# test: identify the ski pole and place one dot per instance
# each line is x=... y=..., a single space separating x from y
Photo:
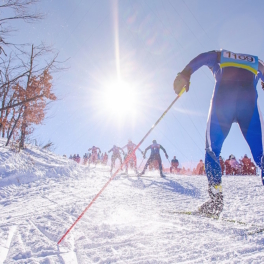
x=141 y=163
x=124 y=162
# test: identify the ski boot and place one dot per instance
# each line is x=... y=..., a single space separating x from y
x=162 y=175
x=215 y=205
x=141 y=173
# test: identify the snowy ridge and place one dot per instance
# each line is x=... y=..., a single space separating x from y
x=32 y=164
x=131 y=222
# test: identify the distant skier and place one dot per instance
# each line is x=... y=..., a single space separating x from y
x=85 y=159
x=154 y=156
x=105 y=159
x=234 y=100
x=78 y=158
x=132 y=162
x=222 y=164
x=94 y=156
x=236 y=167
x=74 y=157
x=116 y=155
x=228 y=168
x=174 y=164
x=200 y=168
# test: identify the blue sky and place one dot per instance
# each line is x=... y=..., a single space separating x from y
x=147 y=43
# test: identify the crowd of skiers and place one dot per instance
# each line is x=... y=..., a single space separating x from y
x=229 y=166
x=242 y=167
x=91 y=158
x=97 y=157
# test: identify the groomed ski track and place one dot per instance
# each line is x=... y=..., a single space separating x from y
x=129 y=223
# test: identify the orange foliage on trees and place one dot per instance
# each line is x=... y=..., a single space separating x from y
x=34 y=111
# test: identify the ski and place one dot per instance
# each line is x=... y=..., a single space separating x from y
x=258 y=230
x=255 y=232
x=197 y=213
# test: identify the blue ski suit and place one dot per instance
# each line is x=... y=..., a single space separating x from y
x=234 y=99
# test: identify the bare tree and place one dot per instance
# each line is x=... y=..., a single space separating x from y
x=13 y=10
x=25 y=75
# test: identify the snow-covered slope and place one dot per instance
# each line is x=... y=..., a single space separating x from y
x=133 y=221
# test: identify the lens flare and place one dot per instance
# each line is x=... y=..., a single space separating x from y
x=120 y=99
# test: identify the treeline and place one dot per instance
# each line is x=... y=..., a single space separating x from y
x=25 y=75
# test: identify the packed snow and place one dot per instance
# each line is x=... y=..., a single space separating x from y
x=133 y=221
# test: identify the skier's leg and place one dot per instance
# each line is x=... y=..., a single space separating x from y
x=221 y=116
x=134 y=163
x=147 y=164
x=158 y=158
x=113 y=158
x=215 y=135
x=126 y=167
x=251 y=124
x=120 y=160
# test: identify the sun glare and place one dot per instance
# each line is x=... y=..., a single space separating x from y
x=120 y=99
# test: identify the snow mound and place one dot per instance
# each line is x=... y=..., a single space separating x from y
x=34 y=163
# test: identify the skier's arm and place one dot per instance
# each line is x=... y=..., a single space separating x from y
x=140 y=151
x=110 y=150
x=144 y=154
x=122 y=150
x=89 y=149
x=210 y=59
x=99 y=150
x=261 y=72
x=164 y=151
x=124 y=146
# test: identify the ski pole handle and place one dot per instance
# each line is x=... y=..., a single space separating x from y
x=182 y=91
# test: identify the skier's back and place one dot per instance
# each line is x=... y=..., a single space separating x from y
x=174 y=164
x=116 y=155
x=94 y=156
x=132 y=156
x=154 y=156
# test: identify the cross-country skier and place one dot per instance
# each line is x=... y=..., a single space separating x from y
x=234 y=100
x=85 y=159
x=116 y=155
x=222 y=164
x=154 y=155
x=133 y=159
x=200 y=168
x=174 y=164
x=94 y=156
x=105 y=159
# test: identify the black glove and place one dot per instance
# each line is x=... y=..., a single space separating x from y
x=180 y=82
x=262 y=85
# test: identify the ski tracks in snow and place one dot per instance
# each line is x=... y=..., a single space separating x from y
x=129 y=223
x=36 y=214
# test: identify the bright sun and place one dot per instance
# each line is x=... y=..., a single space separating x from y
x=120 y=99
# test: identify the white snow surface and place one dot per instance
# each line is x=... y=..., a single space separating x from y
x=132 y=221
